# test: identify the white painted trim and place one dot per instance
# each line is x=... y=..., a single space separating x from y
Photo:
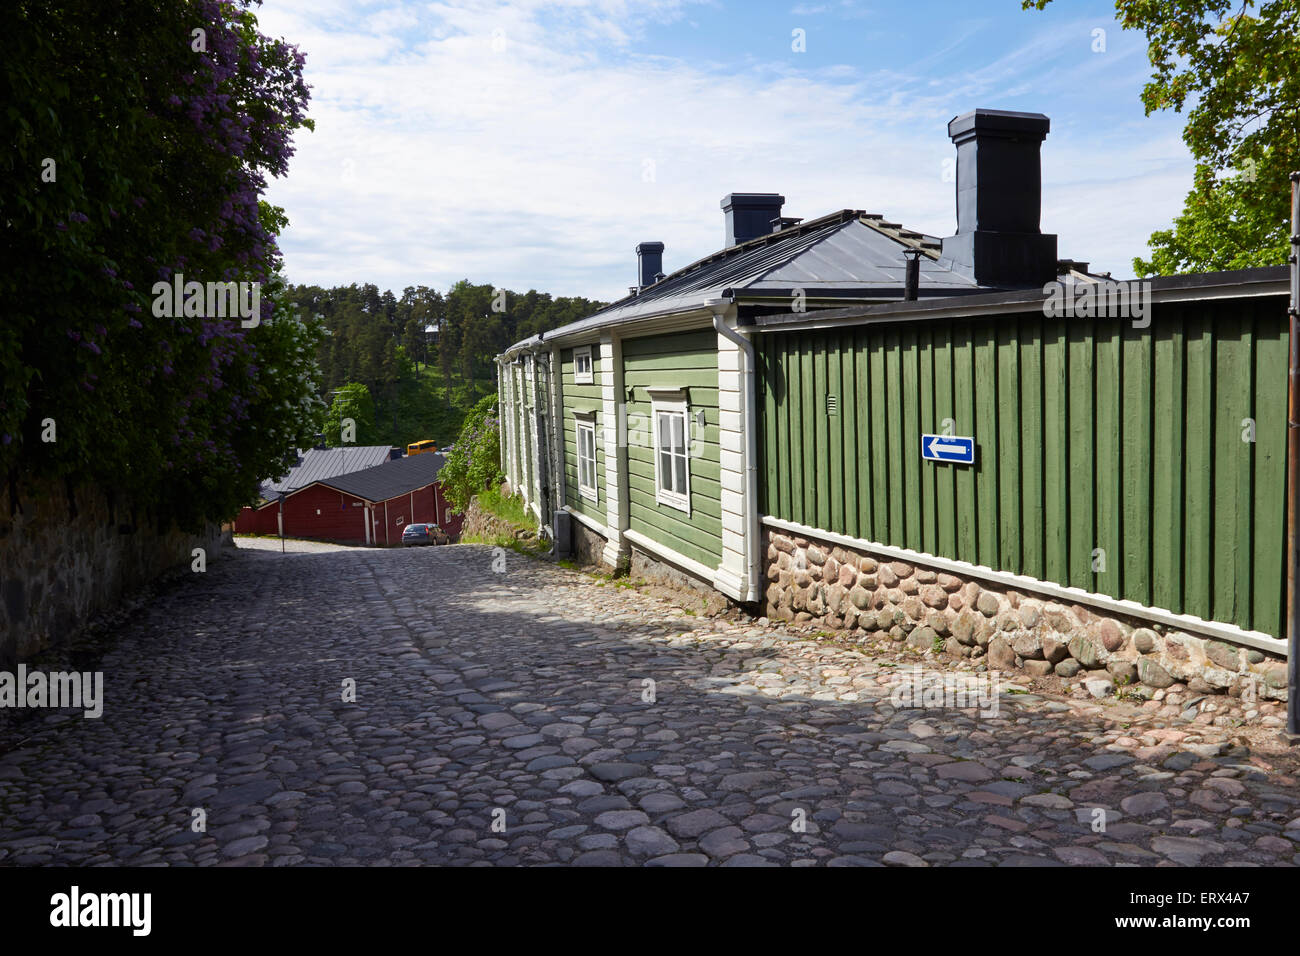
x=589 y=521
x=1187 y=622
x=583 y=378
x=581 y=424
x=730 y=584
x=662 y=404
x=616 y=493
x=558 y=489
x=640 y=326
x=665 y=553
x=666 y=394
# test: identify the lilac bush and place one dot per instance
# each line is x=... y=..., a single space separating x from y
x=144 y=132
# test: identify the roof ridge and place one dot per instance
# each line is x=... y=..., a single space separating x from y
x=740 y=248
x=929 y=246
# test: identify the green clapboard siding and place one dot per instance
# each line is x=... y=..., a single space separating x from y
x=683 y=359
x=1109 y=458
x=582 y=398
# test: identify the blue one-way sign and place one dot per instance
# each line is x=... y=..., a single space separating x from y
x=958 y=451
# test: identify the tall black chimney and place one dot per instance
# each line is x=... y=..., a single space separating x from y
x=649 y=262
x=999 y=199
x=749 y=215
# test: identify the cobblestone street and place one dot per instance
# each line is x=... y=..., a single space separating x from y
x=507 y=718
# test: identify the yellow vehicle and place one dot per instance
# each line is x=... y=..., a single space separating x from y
x=417 y=447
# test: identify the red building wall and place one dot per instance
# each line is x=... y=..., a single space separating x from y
x=448 y=522
x=257 y=520
x=424 y=506
x=325 y=514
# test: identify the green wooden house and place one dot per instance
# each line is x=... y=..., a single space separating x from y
x=1128 y=458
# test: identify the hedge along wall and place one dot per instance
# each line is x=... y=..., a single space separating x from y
x=1090 y=434
x=582 y=398
x=680 y=360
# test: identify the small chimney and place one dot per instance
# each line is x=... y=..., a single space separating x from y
x=911 y=274
x=999 y=199
x=749 y=215
x=649 y=262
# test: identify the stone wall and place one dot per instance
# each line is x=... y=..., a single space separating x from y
x=64 y=561
x=483 y=524
x=876 y=598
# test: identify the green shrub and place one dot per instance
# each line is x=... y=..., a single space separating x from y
x=474 y=463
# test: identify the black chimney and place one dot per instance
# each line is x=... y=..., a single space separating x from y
x=749 y=215
x=912 y=274
x=649 y=262
x=999 y=199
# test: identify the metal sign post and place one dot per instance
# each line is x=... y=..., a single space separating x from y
x=1293 y=468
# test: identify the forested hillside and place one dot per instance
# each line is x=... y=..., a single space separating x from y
x=420 y=384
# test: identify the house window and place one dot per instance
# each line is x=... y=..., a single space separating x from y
x=582 y=365
x=672 y=462
x=587 y=458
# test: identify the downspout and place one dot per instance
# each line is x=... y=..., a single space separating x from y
x=753 y=533
x=1292 y=733
x=544 y=453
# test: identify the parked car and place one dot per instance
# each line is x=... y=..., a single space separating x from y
x=423 y=534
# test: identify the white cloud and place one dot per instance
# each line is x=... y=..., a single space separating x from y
x=527 y=144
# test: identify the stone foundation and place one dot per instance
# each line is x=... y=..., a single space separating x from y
x=587 y=546
x=809 y=580
x=64 y=561
x=646 y=567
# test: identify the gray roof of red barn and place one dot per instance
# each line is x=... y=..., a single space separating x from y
x=321 y=463
x=390 y=479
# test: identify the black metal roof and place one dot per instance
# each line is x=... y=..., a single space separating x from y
x=847 y=254
x=390 y=479
x=320 y=463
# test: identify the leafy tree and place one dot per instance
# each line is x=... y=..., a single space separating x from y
x=1235 y=67
x=422 y=390
x=474 y=463
x=351 y=401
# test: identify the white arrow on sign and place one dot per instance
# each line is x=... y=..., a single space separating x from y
x=949 y=448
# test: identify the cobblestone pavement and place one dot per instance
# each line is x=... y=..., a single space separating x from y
x=506 y=718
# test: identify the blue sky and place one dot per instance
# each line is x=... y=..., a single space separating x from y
x=533 y=144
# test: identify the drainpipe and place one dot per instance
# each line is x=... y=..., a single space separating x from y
x=749 y=415
x=544 y=453
x=1292 y=734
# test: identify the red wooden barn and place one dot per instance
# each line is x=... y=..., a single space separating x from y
x=373 y=505
x=314 y=464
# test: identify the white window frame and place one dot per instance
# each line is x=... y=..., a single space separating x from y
x=585 y=422
x=580 y=377
x=671 y=402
